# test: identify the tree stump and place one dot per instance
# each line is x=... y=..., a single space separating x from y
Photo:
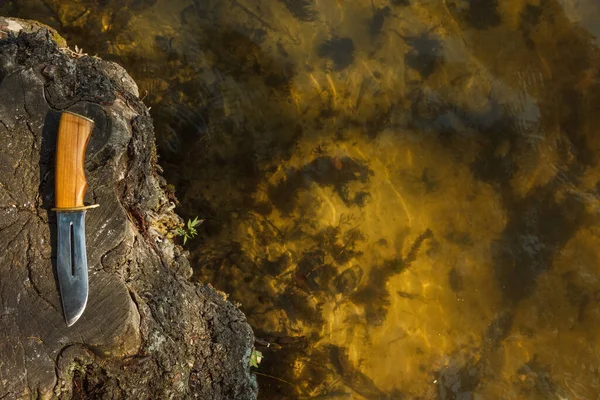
x=147 y=332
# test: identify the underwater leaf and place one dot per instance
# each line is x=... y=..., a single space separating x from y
x=255 y=358
x=302 y=10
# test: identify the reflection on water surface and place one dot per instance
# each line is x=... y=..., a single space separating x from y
x=402 y=195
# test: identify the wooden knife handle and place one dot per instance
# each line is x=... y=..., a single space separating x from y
x=74 y=133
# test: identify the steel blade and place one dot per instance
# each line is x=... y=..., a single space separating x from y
x=71 y=264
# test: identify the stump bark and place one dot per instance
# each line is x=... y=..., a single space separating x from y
x=147 y=332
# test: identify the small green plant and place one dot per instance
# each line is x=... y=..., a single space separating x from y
x=255 y=358
x=189 y=230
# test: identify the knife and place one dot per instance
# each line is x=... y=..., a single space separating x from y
x=74 y=133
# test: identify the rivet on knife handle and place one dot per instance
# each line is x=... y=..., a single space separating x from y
x=74 y=133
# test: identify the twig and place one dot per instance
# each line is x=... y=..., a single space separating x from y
x=273 y=377
x=252 y=14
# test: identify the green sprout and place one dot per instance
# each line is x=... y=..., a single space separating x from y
x=189 y=231
x=255 y=358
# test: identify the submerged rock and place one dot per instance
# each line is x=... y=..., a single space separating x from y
x=147 y=331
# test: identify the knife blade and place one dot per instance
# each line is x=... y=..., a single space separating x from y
x=74 y=132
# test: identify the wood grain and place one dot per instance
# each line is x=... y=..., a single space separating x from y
x=74 y=133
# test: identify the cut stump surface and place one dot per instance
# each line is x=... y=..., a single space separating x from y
x=147 y=332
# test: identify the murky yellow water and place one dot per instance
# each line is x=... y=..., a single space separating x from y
x=402 y=195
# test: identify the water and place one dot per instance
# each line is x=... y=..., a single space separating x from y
x=401 y=195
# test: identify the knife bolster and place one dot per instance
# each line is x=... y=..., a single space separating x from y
x=75 y=209
x=74 y=133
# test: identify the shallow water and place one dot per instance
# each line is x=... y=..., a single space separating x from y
x=401 y=195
